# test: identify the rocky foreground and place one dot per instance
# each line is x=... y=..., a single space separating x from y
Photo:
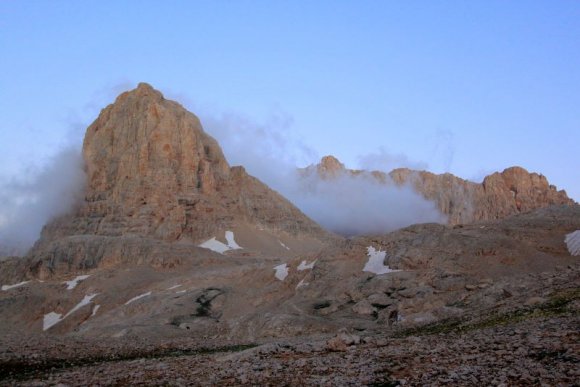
x=527 y=340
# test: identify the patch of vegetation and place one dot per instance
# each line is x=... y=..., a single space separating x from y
x=557 y=305
x=22 y=369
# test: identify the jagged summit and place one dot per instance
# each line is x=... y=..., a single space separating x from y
x=152 y=172
x=330 y=164
x=144 y=140
x=501 y=194
x=329 y=167
x=150 y=162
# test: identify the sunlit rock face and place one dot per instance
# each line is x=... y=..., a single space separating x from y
x=501 y=194
x=153 y=173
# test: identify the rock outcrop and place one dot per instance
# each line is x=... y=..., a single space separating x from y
x=152 y=170
x=154 y=174
x=510 y=192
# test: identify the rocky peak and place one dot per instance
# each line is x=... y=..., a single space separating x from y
x=152 y=172
x=329 y=166
x=143 y=145
x=513 y=191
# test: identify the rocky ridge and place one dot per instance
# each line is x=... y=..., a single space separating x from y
x=158 y=186
x=501 y=194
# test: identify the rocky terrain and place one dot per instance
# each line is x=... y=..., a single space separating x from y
x=158 y=186
x=179 y=269
x=528 y=340
x=510 y=192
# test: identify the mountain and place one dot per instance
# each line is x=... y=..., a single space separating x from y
x=158 y=187
x=178 y=268
x=510 y=192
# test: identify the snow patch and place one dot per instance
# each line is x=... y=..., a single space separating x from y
x=572 y=242
x=73 y=283
x=306 y=266
x=231 y=241
x=376 y=263
x=95 y=309
x=215 y=245
x=174 y=287
x=53 y=318
x=283 y=245
x=219 y=247
x=301 y=284
x=85 y=301
x=181 y=291
x=281 y=271
x=138 y=297
x=8 y=287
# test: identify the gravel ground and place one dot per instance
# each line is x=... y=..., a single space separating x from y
x=535 y=351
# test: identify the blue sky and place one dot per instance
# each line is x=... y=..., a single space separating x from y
x=467 y=87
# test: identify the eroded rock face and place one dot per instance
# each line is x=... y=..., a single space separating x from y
x=154 y=173
x=152 y=170
x=146 y=158
x=510 y=192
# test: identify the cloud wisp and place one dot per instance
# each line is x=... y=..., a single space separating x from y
x=346 y=204
x=385 y=161
x=28 y=202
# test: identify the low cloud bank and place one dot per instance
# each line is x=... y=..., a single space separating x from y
x=348 y=205
x=28 y=202
x=360 y=205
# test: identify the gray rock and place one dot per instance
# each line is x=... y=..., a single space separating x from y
x=364 y=308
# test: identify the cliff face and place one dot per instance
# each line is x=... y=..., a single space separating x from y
x=154 y=173
x=510 y=192
x=146 y=159
x=152 y=170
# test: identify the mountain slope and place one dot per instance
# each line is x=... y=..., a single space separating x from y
x=510 y=192
x=159 y=186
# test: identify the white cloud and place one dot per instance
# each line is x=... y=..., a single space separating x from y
x=29 y=201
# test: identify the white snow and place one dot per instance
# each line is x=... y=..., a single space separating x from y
x=53 y=318
x=173 y=287
x=219 y=247
x=573 y=242
x=138 y=297
x=231 y=241
x=215 y=245
x=376 y=263
x=281 y=271
x=301 y=284
x=8 y=287
x=283 y=245
x=85 y=301
x=181 y=291
x=306 y=266
x=73 y=283
x=95 y=309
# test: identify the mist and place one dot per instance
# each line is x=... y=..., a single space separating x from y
x=347 y=204
x=29 y=201
x=382 y=160
x=360 y=205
